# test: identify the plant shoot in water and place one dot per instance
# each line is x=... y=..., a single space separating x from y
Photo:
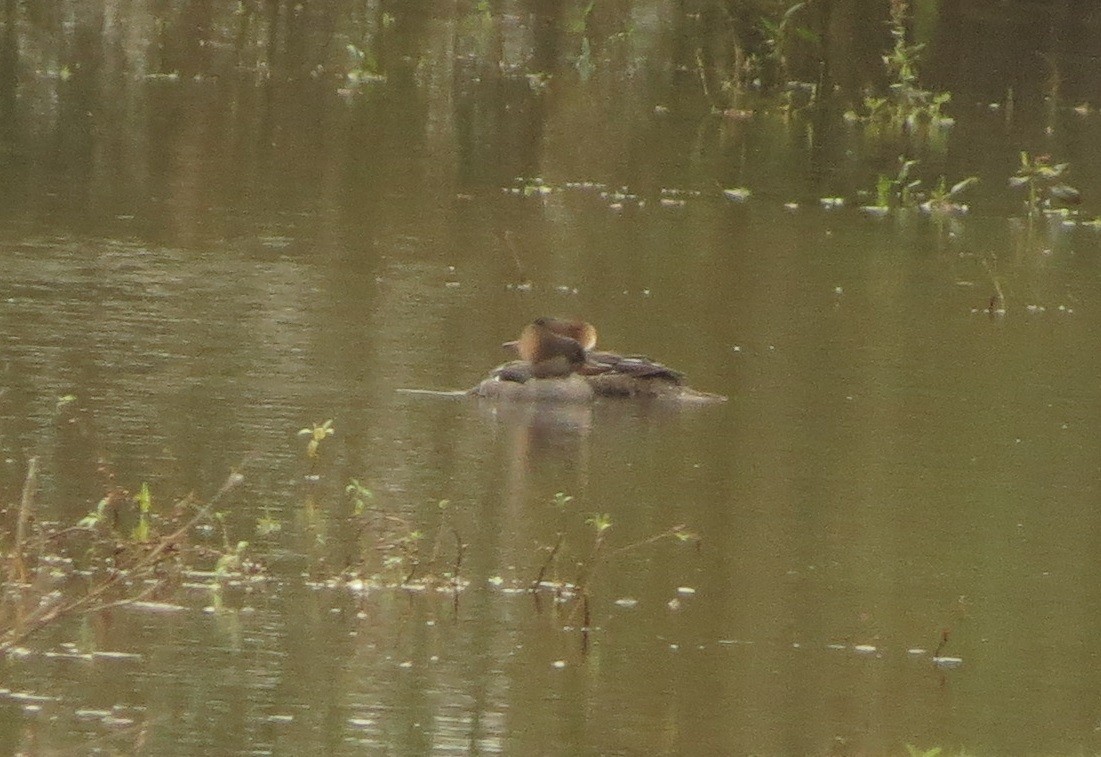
x=144 y=500
x=317 y=434
x=231 y=561
x=1042 y=179
x=942 y=199
x=267 y=524
x=361 y=496
x=909 y=107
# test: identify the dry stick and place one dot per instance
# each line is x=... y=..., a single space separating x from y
x=674 y=531
x=511 y=245
x=460 y=548
x=30 y=486
x=944 y=632
x=584 y=581
x=703 y=77
x=997 y=288
x=546 y=563
x=587 y=621
x=86 y=602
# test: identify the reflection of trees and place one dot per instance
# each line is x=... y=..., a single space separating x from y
x=271 y=103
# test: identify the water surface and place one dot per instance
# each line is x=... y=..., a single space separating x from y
x=213 y=246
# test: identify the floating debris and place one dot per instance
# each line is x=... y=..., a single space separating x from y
x=23 y=696
x=115 y=721
x=875 y=211
x=737 y=194
x=132 y=656
x=832 y=203
x=92 y=714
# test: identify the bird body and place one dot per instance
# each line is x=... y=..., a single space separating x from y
x=553 y=349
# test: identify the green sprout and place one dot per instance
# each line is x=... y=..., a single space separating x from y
x=361 y=496
x=601 y=522
x=1043 y=181
x=267 y=524
x=317 y=434
x=144 y=500
x=232 y=561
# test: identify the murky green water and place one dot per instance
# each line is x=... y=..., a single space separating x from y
x=211 y=243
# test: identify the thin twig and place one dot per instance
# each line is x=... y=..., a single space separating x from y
x=460 y=548
x=546 y=563
x=88 y=602
x=30 y=487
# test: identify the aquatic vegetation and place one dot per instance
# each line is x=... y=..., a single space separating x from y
x=1042 y=180
x=779 y=34
x=578 y=24
x=61 y=571
x=231 y=561
x=316 y=434
x=943 y=199
x=576 y=596
x=902 y=191
x=361 y=496
x=561 y=500
x=391 y=551
x=364 y=67
x=909 y=108
x=144 y=499
x=267 y=524
x=897 y=191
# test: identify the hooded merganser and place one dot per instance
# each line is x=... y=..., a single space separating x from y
x=548 y=352
x=548 y=348
x=596 y=362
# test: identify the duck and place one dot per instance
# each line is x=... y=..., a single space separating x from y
x=551 y=349
x=563 y=352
